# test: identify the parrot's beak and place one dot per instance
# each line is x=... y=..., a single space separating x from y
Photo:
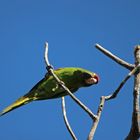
x=94 y=79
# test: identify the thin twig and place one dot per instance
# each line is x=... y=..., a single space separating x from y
x=66 y=120
x=46 y=55
x=112 y=96
x=95 y=123
x=115 y=58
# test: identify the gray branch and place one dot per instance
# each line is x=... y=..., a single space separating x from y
x=134 y=133
x=95 y=123
x=112 y=96
x=115 y=58
x=66 y=120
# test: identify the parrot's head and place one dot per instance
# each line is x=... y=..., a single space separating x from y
x=90 y=79
x=87 y=78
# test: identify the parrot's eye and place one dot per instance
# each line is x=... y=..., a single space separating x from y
x=86 y=76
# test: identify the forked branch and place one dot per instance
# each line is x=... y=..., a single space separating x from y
x=112 y=96
x=66 y=120
x=103 y=99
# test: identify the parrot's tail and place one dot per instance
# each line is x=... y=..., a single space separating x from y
x=21 y=101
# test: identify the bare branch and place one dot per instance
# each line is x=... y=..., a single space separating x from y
x=115 y=58
x=46 y=55
x=95 y=123
x=135 y=127
x=112 y=96
x=66 y=120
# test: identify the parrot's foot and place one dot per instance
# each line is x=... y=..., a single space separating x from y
x=49 y=67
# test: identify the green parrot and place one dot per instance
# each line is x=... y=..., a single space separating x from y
x=48 y=88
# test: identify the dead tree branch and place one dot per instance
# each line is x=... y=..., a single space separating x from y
x=112 y=96
x=115 y=58
x=95 y=123
x=134 y=133
x=66 y=120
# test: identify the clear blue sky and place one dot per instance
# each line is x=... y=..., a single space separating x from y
x=71 y=28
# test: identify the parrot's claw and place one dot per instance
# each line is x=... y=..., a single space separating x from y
x=49 y=67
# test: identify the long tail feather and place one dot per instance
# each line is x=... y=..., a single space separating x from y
x=21 y=101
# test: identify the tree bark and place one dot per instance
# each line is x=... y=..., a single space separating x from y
x=134 y=133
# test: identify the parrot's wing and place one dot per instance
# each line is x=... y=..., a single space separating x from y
x=40 y=82
x=63 y=93
x=37 y=85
